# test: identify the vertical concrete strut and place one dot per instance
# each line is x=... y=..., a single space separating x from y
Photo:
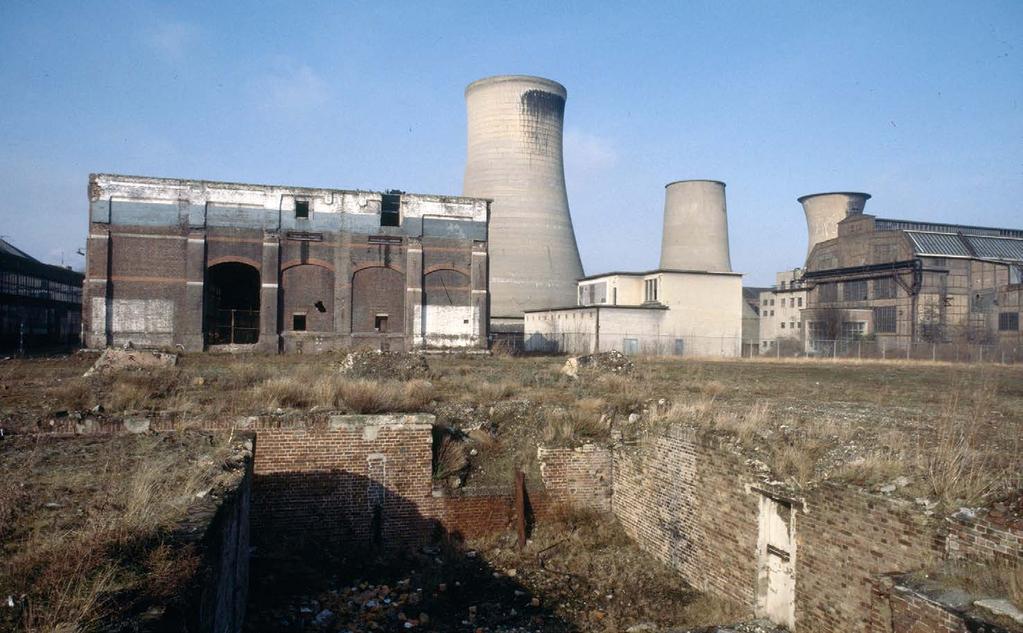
x=514 y=157
x=695 y=233
x=825 y=210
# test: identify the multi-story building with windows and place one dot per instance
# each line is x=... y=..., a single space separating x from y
x=781 y=308
x=40 y=304
x=903 y=281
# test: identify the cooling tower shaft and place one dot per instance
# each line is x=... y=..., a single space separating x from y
x=825 y=210
x=695 y=233
x=514 y=157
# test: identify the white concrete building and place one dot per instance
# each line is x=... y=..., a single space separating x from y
x=780 y=312
x=659 y=312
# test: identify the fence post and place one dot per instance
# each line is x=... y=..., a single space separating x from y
x=859 y=349
x=834 y=349
x=909 y=348
x=934 y=352
x=981 y=350
x=777 y=349
x=884 y=351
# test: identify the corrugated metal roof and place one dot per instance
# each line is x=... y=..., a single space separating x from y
x=960 y=245
x=9 y=249
x=996 y=247
x=889 y=224
x=939 y=244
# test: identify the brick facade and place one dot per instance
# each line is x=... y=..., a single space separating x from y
x=980 y=540
x=331 y=274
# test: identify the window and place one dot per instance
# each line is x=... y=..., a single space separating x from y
x=800 y=302
x=884 y=288
x=772 y=312
x=792 y=302
x=783 y=325
x=630 y=345
x=651 y=290
x=783 y=285
x=1008 y=322
x=1015 y=274
x=854 y=290
x=301 y=208
x=298 y=322
x=390 y=209
x=680 y=346
x=380 y=323
x=852 y=330
x=884 y=320
x=827 y=293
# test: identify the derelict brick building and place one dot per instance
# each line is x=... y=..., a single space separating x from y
x=202 y=265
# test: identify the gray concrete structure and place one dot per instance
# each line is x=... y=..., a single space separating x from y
x=825 y=210
x=514 y=158
x=695 y=233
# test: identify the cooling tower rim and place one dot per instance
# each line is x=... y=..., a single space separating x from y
x=524 y=79
x=858 y=194
x=680 y=182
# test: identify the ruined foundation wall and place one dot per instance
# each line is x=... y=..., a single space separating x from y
x=580 y=477
x=845 y=539
x=683 y=500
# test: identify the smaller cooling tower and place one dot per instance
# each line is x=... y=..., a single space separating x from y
x=695 y=233
x=825 y=210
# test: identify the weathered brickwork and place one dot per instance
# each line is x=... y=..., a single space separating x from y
x=580 y=477
x=845 y=539
x=685 y=502
x=979 y=540
x=362 y=481
x=911 y=612
x=198 y=264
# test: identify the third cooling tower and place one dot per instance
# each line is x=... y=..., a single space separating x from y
x=695 y=233
x=825 y=210
x=515 y=158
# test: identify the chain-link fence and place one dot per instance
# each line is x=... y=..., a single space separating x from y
x=635 y=344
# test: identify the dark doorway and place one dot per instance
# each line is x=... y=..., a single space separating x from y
x=232 y=304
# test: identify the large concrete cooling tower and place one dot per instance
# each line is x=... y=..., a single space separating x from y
x=515 y=159
x=825 y=210
x=695 y=235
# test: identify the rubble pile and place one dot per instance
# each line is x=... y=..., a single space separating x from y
x=604 y=363
x=383 y=365
x=113 y=359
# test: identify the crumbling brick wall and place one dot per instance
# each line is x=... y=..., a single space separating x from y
x=581 y=477
x=980 y=540
x=684 y=501
x=845 y=539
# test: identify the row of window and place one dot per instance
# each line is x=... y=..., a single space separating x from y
x=792 y=302
x=650 y=290
x=17 y=284
x=857 y=290
x=390 y=209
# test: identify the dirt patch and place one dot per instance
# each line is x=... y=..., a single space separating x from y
x=112 y=360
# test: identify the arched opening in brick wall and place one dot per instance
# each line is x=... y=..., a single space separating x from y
x=378 y=301
x=447 y=308
x=307 y=297
x=232 y=304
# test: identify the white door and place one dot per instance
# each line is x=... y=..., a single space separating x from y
x=776 y=589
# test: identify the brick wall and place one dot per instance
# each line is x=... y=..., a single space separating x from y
x=979 y=540
x=683 y=500
x=844 y=540
x=902 y=610
x=354 y=479
x=578 y=476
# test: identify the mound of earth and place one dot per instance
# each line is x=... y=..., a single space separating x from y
x=383 y=365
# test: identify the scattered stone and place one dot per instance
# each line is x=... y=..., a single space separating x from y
x=642 y=626
x=604 y=363
x=136 y=425
x=120 y=359
x=383 y=365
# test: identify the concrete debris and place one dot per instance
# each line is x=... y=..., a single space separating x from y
x=1003 y=608
x=383 y=365
x=756 y=626
x=603 y=363
x=112 y=360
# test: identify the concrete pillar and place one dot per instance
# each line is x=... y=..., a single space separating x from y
x=414 y=334
x=269 y=300
x=343 y=287
x=479 y=295
x=189 y=328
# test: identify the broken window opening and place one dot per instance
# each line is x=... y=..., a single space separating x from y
x=298 y=322
x=301 y=208
x=390 y=209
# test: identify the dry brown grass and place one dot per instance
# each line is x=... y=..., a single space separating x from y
x=85 y=542
x=451 y=457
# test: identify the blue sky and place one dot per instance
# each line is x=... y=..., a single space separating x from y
x=918 y=104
